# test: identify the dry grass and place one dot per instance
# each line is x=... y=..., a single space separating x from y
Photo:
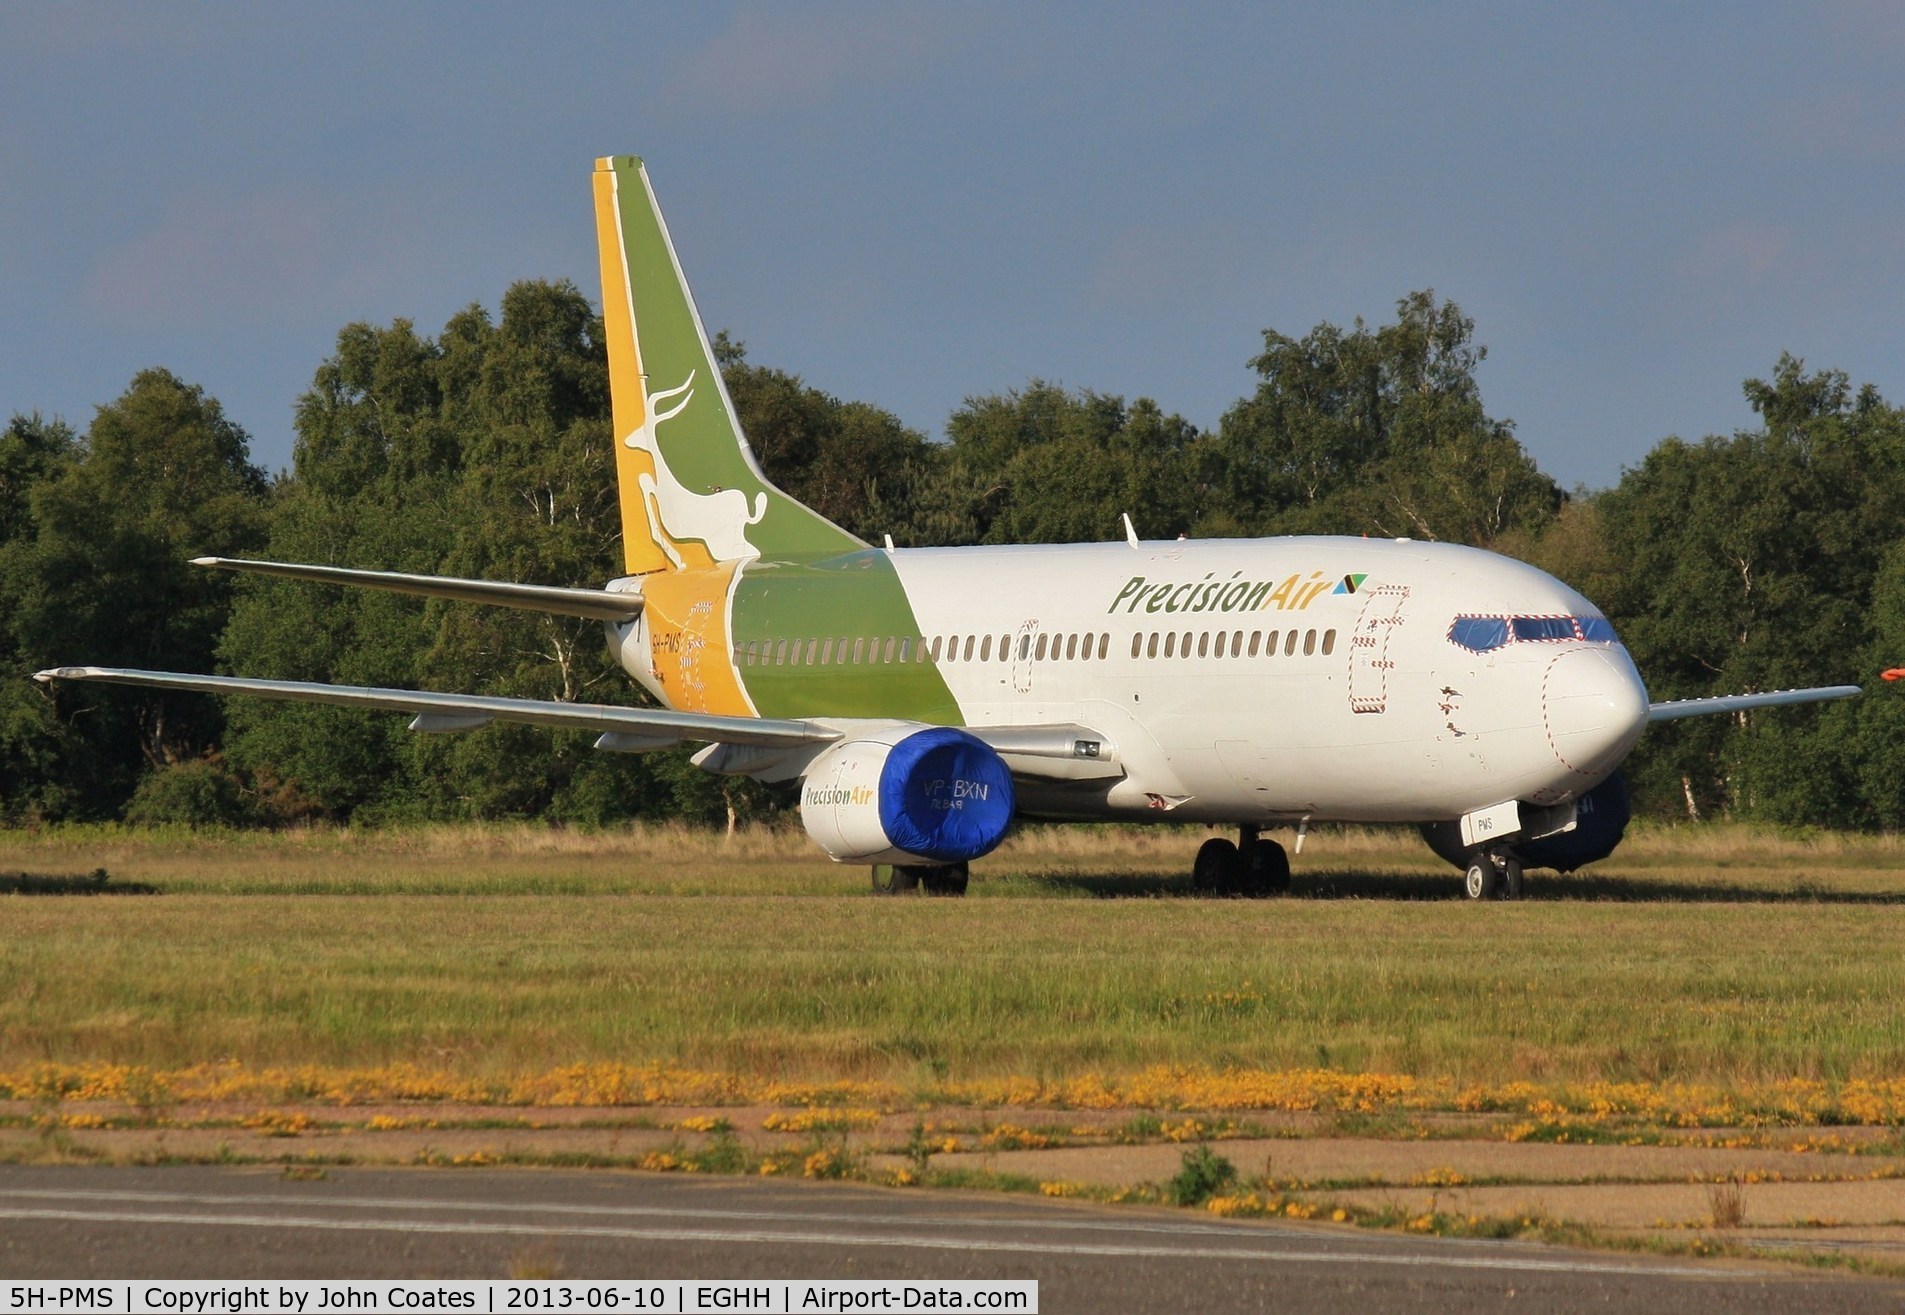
x=1726 y=1202
x=1719 y=957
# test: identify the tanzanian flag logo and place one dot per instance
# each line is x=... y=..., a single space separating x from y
x=1349 y=584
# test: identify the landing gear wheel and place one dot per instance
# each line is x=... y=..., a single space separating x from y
x=1511 y=878
x=1483 y=879
x=1266 y=869
x=889 y=879
x=944 y=879
x=1216 y=867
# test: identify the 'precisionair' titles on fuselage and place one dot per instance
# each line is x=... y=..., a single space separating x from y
x=1235 y=594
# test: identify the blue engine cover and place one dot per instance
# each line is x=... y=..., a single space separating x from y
x=945 y=796
x=1600 y=822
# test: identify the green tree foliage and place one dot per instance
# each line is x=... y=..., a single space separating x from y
x=484 y=452
x=96 y=571
x=854 y=463
x=1379 y=432
x=1774 y=557
x=1046 y=465
x=1753 y=562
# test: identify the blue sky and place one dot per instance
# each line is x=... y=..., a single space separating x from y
x=1640 y=205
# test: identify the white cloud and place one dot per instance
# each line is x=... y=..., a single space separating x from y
x=779 y=57
x=219 y=259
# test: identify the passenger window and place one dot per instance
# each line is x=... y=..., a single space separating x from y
x=1221 y=637
x=1329 y=642
x=905 y=644
x=1184 y=647
x=1170 y=644
x=1309 y=642
x=1237 y=644
x=826 y=651
x=859 y=650
x=1270 y=645
x=1005 y=647
x=1104 y=645
x=1071 y=647
x=1038 y=654
x=1137 y=643
x=968 y=656
x=813 y=647
x=1256 y=637
x=1289 y=643
x=780 y=653
x=1203 y=644
x=985 y=649
x=1151 y=649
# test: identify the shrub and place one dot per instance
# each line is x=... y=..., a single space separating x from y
x=1204 y=1174
x=196 y=793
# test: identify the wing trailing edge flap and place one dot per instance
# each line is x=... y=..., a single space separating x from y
x=1674 y=709
x=593 y=604
x=1062 y=752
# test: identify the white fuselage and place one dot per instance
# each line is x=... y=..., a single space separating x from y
x=1267 y=680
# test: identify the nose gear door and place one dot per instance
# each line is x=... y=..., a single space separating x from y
x=1369 y=660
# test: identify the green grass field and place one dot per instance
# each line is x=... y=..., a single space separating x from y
x=1713 y=955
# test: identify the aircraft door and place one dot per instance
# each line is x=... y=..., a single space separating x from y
x=1369 y=660
x=1024 y=655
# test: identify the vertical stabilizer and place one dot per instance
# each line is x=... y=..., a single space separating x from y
x=691 y=493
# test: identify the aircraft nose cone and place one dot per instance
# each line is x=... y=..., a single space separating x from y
x=1594 y=707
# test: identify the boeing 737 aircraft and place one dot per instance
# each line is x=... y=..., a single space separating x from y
x=923 y=698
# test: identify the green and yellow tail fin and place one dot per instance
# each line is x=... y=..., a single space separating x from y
x=692 y=495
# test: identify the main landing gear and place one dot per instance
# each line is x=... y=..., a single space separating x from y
x=1492 y=874
x=933 y=878
x=1252 y=867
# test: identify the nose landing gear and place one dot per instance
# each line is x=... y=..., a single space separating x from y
x=1492 y=874
x=1252 y=867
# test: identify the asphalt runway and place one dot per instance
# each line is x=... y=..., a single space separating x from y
x=210 y=1222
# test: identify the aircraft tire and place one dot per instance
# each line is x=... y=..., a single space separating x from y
x=1512 y=876
x=1217 y=867
x=1483 y=879
x=947 y=879
x=891 y=879
x=1266 y=867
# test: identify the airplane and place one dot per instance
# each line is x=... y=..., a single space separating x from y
x=924 y=698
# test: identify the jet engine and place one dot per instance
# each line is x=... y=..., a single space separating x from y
x=907 y=796
x=1600 y=820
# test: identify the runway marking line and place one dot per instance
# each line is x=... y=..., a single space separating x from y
x=773 y=1237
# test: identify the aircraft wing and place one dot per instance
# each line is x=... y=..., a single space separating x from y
x=637 y=727
x=468 y=711
x=1674 y=709
x=596 y=604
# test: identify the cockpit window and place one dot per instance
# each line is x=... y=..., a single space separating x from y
x=1485 y=634
x=1539 y=628
x=1479 y=634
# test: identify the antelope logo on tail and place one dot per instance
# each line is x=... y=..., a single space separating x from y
x=719 y=519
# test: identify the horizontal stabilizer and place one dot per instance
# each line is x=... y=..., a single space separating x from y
x=1676 y=708
x=594 y=604
x=437 y=710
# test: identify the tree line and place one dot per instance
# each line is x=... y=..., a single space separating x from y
x=1768 y=558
